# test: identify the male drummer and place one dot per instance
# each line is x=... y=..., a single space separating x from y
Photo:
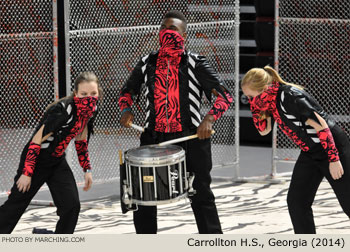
x=175 y=80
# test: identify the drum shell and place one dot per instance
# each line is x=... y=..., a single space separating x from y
x=155 y=181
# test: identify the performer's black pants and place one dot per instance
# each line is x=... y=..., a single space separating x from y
x=198 y=161
x=308 y=173
x=60 y=180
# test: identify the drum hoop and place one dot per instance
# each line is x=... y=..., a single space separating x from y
x=155 y=163
x=155 y=202
x=154 y=160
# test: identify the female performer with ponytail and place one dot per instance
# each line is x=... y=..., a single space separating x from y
x=325 y=148
x=43 y=158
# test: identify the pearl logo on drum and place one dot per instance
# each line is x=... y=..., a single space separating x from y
x=148 y=179
x=174 y=176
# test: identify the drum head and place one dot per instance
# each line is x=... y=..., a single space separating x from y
x=153 y=154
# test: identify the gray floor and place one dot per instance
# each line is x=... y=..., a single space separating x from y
x=244 y=208
x=257 y=207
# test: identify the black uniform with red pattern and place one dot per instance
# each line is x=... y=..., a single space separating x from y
x=291 y=108
x=47 y=163
x=66 y=120
x=175 y=81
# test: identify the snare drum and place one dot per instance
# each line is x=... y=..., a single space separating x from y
x=156 y=175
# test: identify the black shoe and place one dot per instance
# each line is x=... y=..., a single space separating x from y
x=41 y=231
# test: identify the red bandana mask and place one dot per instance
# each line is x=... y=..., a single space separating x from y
x=166 y=92
x=266 y=100
x=86 y=106
x=171 y=42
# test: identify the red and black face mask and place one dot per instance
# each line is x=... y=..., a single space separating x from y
x=266 y=100
x=86 y=106
x=166 y=94
x=171 y=42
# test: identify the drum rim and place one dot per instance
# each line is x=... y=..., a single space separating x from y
x=155 y=202
x=155 y=160
x=155 y=163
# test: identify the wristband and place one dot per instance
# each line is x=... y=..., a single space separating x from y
x=83 y=154
x=125 y=101
x=31 y=158
x=126 y=109
x=220 y=106
x=327 y=142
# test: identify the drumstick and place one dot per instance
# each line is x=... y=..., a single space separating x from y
x=181 y=139
x=139 y=128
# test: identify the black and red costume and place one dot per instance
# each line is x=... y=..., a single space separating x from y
x=175 y=80
x=291 y=107
x=46 y=163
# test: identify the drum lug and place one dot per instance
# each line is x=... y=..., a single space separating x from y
x=126 y=199
x=125 y=189
x=126 y=195
x=190 y=190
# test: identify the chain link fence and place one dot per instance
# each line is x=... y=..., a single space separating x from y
x=109 y=37
x=27 y=78
x=312 y=49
